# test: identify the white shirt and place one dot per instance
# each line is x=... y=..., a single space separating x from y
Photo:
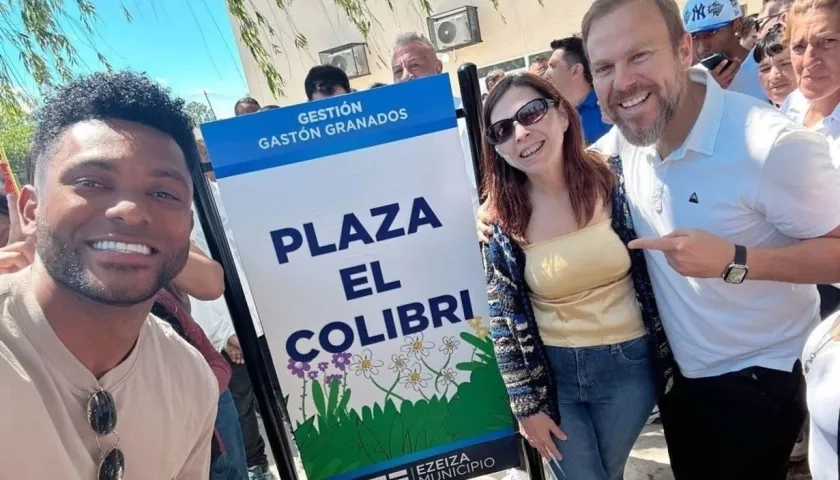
x=796 y=106
x=750 y=175
x=746 y=80
x=214 y=317
x=467 y=152
x=823 y=400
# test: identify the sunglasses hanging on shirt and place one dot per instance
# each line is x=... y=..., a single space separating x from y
x=102 y=417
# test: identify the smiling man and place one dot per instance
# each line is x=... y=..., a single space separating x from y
x=93 y=383
x=739 y=207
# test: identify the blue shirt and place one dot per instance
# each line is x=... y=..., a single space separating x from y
x=590 y=117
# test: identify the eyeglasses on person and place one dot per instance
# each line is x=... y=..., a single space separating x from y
x=529 y=114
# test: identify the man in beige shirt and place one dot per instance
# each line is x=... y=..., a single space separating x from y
x=93 y=385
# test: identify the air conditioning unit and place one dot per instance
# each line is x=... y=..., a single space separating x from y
x=454 y=29
x=352 y=58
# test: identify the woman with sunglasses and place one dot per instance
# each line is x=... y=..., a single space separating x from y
x=575 y=328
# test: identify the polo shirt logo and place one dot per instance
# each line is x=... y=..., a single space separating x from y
x=693 y=198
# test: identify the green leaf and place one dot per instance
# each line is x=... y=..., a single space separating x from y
x=479 y=406
x=469 y=366
x=318 y=399
x=333 y=401
x=345 y=399
x=396 y=444
x=305 y=433
x=485 y=346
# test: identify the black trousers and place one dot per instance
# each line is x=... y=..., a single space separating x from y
x=243 y=396
x=737 y=426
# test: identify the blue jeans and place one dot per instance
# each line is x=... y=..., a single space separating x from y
x=231 y=465
x=606 y=394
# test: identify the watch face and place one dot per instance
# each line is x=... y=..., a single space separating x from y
x=736 y=274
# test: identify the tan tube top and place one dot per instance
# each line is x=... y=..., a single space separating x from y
x=581 y=288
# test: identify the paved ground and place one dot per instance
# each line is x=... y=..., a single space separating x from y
x=648 y=461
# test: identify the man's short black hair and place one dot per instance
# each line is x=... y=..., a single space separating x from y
x=245 y=101
x=124 y=95
x=268 y=107
x=325 y=79
x=573 y=53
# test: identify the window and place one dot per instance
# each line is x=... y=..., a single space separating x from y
x=506 y=66
x=546 y=55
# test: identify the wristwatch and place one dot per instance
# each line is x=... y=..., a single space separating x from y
x=736 y=272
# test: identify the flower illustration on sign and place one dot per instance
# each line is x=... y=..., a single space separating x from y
x=446 y=375
x=398 y=363
x=364 y=364
x=449 y=345
x=298 y=369
x=341 y=360
x=415 y=378
x=480 y=330
x=323 y=366
x=416 y=347
x=329 y=379
x=313 y=375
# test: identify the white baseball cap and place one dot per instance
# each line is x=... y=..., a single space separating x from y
x=706 y=15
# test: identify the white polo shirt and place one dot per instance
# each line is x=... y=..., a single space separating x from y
x=796 y=106
x=748 y=174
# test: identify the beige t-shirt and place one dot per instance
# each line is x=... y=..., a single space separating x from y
x=165 y=393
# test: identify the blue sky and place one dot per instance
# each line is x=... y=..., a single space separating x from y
x=187 y=45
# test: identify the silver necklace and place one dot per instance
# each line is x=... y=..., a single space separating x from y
x=824 y=342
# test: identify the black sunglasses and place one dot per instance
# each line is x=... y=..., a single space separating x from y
x=102 y=417
x=530 y=113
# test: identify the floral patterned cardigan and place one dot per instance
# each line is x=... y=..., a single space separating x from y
x=519 y=350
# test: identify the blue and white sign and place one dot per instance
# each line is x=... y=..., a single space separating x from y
x=353 y=219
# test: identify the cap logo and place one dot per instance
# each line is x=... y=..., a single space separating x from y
x=698 y=12
x=715 y=9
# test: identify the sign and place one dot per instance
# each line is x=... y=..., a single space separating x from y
x=353 y=219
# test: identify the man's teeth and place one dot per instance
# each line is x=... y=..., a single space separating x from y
x=123 y=247
x=634 y=101
x=532 y=150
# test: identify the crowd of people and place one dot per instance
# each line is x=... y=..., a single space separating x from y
x=658 y=227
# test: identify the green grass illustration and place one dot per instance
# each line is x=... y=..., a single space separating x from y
x=334 y=439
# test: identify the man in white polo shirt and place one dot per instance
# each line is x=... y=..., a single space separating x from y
x=737 y=206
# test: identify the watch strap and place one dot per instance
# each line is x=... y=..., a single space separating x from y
x=740 y=255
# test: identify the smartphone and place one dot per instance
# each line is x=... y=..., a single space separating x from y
x=711 y=62
x=11 y=184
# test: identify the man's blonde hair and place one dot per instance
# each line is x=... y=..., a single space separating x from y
x=801 y=7
x=668 y=8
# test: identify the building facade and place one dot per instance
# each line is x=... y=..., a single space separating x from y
x=511 y=36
